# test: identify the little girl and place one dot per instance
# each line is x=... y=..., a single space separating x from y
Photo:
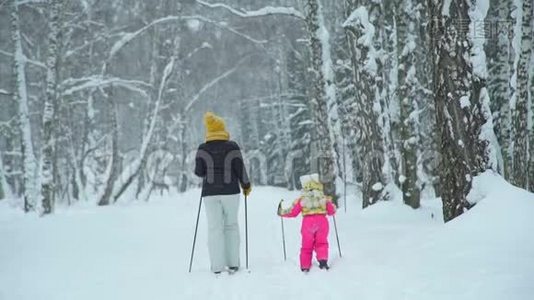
x=314 y=206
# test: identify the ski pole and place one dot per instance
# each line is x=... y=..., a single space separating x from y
x=283 y=236
x=337 y=236
x=246 y=233
x=344 y=179
x=195 y=237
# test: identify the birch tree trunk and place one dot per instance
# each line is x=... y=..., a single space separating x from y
x=112 y=170
x=50 y=107
x=521 y=130
x=5 y=188
x=182 y=130
x=29 y=165
x=499 y=72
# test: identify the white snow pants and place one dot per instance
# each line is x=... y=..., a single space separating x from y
x=223 y=231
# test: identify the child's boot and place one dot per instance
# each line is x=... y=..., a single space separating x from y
x=323 y=265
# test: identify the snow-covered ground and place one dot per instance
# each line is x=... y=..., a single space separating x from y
x=141 y=251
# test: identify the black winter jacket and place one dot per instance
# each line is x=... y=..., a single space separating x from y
x=221 y=165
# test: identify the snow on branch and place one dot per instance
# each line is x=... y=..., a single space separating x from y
x=359 y=18
x=26 y=59
x=264 y=11
x=445 y=9
x=22 y=2
x=213 y=82
x=166 y=74
x=204 y=45
x=86 y=44
x=72 y=86
x=133 y=169
x=129 y=36
x=4 y=92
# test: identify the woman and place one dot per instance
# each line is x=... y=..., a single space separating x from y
x=220 y=163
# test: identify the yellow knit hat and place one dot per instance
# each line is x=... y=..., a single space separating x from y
x=215 y=128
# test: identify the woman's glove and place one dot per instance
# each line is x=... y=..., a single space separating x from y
x=279 y=211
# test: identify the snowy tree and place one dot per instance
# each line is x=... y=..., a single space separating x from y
x=459 y=102
x=521 y=122
x=361 y=35
x=300 y=121
x=409 y=92
x=280 y=72
x=323 y=95
x=428 y=156
x=50 y=107
x=131 y=172
x=112 y=170
x=486 y=149
x=5 y=188
x=382 y=15
x=30 y=166
x=498 y=49
x=531 y=136
x=9 y=131
x=270 y=143
x=349 y=160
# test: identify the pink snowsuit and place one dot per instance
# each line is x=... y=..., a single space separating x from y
x=314 y=231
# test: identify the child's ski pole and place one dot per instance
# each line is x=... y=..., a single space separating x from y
x=246 y=232
x=283 y=232
x=337 y=236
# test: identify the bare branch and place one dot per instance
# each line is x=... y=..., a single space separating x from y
x=204 y=45
x=26 y=59
x=129 y=36
x=72 y=86
x=264 y=11
x=213 y=82
x=22 y=2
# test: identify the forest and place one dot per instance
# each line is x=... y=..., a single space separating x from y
x=102 y=101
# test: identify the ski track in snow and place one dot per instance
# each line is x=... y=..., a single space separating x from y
x=141 y=251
